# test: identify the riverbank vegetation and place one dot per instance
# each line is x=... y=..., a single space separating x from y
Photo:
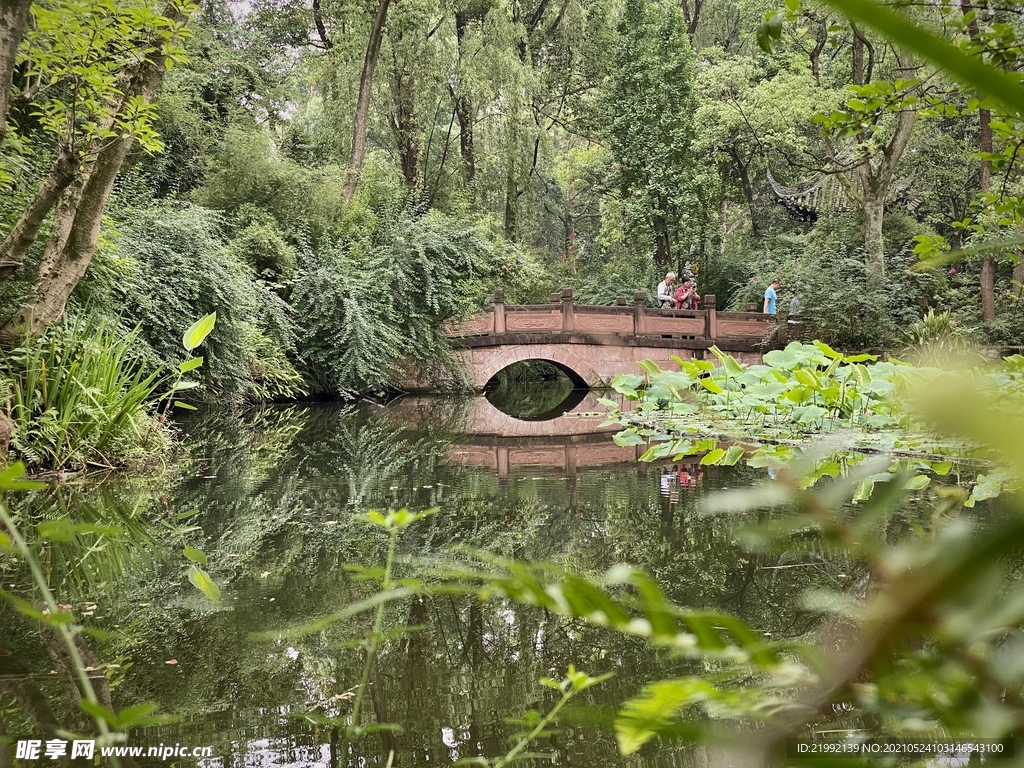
x=337 y=200
x=332 y=184
x=779 y=610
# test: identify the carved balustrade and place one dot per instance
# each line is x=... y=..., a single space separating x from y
x=561 y=316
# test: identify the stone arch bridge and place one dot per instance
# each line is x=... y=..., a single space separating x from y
x=593 y=344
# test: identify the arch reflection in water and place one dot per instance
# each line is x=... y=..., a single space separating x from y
x=535 y=390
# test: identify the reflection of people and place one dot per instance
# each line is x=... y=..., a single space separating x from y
x=665 y=291
x=668 y=486
x=688 y=480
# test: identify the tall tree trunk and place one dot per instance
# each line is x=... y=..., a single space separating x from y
x=692 y=17
x=1018 y=277
x=876 y=175
x=874 y=243
x=13 y=19
x=403 y=124
x=464 y=112
x=743 y=171
x=857 y=60
x=360 y=124
x=662 y=245
x=321 y=29
x=819 y=45
x=861 y=74
x=511 y=202
x=69 y=249
x=18 y=241
x=512 y=149
x=76 y=229
x=988 y=266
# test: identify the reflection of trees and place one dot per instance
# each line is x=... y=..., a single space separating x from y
x=475 y=664
x=37 y=677
x=84 y=564
x=277 y=494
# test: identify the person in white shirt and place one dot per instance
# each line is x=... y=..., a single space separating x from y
x=665 y=291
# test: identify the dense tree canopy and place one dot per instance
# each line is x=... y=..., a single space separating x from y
x=585 y=144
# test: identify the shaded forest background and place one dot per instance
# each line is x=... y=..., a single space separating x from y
x=337 y=178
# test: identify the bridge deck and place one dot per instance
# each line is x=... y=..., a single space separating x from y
x=563 y=322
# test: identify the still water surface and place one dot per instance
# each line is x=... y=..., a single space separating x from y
x=275 y=496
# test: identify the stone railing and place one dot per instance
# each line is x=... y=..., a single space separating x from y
x=561 y=316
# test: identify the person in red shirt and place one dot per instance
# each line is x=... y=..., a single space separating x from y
x=686 y=296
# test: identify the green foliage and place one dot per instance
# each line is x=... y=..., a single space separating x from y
x=168 y=263
x=838 y=303
x=650 y=116
x=930 y=651
x=380 y=295
x=74 y=58
x=48 y=615
x=623 y=276
x=259 y=243
x=938 y=339
x=249 y=174
x=79 y=395
x=764 y=413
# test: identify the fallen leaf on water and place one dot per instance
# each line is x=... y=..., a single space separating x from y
x=171 y=661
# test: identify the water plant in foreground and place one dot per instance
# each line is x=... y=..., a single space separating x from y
x=41 y=606
x=809 y=400
x=927 y=645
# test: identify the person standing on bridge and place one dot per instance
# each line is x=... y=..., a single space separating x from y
x=665 y=291
x=687 y=296
x=771 y=297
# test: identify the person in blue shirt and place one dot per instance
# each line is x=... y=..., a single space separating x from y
x=770 y=296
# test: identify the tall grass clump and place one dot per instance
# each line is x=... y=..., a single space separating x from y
x=939 y=340
x=78 y=396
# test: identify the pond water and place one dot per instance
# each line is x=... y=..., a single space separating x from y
x=273 y=498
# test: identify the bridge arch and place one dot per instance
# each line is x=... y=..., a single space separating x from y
x=486 y=362
x=578 y=382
